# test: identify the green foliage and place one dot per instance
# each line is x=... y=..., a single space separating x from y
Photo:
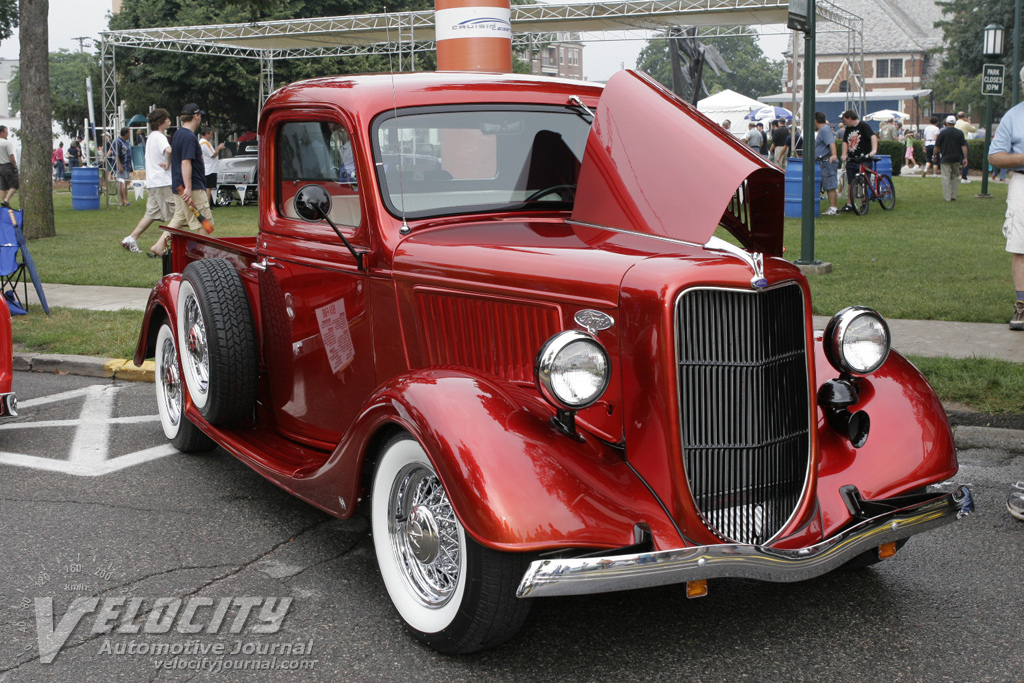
x=976 y=156
x=895 y=150
x=959 y=80
x=8 y=18
x=228 y=87
x=68 y=71
x=753 y=74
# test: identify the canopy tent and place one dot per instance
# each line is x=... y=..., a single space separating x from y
x=886 y=115
x=727 y=104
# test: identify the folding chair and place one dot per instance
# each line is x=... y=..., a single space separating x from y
x=12 y=272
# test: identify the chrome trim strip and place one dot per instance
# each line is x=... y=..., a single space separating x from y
x=581 y=576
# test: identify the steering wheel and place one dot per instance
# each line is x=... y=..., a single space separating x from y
x=565 y=192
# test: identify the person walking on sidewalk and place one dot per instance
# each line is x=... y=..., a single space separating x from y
x=1007 y=151
x=950 y=156
x=159 y=204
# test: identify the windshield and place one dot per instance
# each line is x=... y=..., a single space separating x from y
x=437 y=162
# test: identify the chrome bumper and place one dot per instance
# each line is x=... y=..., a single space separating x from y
x=578 y=576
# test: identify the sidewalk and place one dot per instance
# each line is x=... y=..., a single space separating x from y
x=928 y=338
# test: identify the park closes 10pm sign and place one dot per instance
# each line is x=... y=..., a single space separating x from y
x=992 y=76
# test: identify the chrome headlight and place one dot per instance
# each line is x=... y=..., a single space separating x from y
x=857 y=340
x=572 y=370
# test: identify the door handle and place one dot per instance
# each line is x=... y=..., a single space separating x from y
x=264 y=265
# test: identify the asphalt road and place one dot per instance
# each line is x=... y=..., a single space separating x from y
x=127 y=520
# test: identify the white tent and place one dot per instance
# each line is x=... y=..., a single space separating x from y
x=728 y=104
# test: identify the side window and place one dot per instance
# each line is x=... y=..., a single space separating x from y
x=319 y=153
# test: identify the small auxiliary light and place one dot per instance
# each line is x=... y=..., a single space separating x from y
x=886 y=550
x=698 y=589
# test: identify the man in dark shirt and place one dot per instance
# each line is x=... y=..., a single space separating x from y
x=188 y=178
x=859 y=145
x=951 y=156
x=780 y=144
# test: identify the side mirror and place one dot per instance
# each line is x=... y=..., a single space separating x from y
x=312 y=203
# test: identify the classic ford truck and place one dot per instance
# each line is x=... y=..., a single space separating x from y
x=543 y=334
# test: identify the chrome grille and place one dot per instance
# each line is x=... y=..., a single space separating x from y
x=744 y=412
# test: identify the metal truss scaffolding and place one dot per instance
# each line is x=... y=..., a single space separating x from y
x=406 y=33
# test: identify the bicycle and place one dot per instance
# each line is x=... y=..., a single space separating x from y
x=869 y=184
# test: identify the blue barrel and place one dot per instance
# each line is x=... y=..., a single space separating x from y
x=883 y=165
x=85 y=188
x=795 y=187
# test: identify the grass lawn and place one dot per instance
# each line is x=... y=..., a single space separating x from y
x=926 y=259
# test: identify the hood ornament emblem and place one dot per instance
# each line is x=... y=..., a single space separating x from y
x=755 y=260
x=593 y=321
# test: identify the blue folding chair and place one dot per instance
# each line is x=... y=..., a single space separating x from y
x=14 y=271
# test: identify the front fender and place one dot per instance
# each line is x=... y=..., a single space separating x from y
x=910 y=444
x=160 y=307
x=516 y=482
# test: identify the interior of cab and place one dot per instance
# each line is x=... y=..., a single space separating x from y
x=317 y=152
x=433 y=162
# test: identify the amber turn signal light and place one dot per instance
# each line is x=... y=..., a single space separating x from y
x=698 y=589
x=886 y=550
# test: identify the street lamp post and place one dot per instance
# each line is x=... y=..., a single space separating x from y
x=992 y=48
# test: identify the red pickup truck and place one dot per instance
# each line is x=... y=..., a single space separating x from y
x=543 y=334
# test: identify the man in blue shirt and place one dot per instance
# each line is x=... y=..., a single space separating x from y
x=828 y=160
x=123 y=161
x=188 y=176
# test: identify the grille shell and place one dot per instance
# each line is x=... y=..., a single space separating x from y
x=744 y=397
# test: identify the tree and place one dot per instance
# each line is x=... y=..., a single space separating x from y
x=228 y=88
x=36 y=129
x=68 y=71
x=753 y=74
x=958 y=81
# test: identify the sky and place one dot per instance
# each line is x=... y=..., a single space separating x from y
x=75 y=18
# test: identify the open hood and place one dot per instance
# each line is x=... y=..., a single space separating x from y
x=654 y=164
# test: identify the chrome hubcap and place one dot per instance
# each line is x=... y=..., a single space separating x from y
x=197 y=355
x=424 y=535
x=170 y=380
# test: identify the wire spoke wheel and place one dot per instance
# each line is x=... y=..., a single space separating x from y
x=453 y=594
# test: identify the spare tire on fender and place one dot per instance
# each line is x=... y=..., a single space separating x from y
x=217 y=341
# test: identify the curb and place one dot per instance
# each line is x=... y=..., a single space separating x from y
x=85 y=366
x=965 y=436
x=968 y=437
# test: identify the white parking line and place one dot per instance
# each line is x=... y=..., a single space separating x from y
x=89 y=453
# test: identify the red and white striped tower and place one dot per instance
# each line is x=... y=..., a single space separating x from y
x=473 y=35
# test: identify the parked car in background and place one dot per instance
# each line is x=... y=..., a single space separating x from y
x=237 y=176
x=543 y=332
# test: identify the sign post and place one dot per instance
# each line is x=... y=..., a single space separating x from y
x=992 y=78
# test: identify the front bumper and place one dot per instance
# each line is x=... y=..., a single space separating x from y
x=578 y=576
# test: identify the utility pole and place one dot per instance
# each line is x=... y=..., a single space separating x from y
x=81 y=42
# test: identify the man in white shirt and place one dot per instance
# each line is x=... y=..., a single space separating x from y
x=8 y=169
x=160 y=203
